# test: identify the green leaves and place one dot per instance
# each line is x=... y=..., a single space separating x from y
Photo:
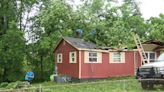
x=12 y=54
x=156 y=28
x=113 y=26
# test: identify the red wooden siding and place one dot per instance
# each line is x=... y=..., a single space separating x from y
x=94 y=70
x=106 y=69
x=123 y=69
x=65 y=67
x=137 y=59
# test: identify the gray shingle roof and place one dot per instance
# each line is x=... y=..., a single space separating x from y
x=79 y=43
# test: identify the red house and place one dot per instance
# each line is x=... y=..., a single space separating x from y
x=83 y=60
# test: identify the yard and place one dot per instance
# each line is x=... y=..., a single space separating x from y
x=108 y=85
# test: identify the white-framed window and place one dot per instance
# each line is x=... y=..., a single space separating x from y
x=59 y=58
x=92 y=57
x=151 y=56
x=117 y=57
x=72 y=57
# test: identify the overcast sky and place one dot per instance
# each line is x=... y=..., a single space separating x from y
x=151 y=8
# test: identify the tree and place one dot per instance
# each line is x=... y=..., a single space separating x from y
x=12 y=39
x=12 y=54
x=50 y=25
x=156 y=28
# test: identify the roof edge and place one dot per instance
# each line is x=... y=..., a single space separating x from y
x=66 y=41
x=99 y=50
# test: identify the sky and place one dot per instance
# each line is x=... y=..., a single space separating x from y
x=149 y=8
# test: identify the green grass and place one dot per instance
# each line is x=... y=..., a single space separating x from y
x=104 y=86
x=107 y=85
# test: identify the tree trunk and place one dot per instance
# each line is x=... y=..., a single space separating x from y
x=4 y=75
x=20 y=17
x=41 y=67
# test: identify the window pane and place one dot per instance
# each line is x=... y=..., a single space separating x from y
x=91 y=54
x=73 y=54
x=92 y=59
x=117 y=57
x=73 y=59
x=117 y=60
x=152 y=55
x=117 y=54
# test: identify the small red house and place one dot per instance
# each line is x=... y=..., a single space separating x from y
x=83 y=60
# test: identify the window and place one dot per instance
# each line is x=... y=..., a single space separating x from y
x=59 y=58
x=72 y=57
x=92 y=57
x=116 y=57
x=151 y=56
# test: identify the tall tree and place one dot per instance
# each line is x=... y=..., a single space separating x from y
x=156 y=28
x=12 y=38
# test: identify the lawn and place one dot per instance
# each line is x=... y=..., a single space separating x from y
x=100 y=86
x=108 y=85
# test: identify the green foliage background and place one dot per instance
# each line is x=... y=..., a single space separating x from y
x=54 y=19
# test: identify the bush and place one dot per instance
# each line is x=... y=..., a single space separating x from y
x=17 y=84
x=3 y=84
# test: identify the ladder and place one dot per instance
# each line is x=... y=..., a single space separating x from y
x=140 y=49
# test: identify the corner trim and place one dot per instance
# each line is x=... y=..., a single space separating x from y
x=79 y=64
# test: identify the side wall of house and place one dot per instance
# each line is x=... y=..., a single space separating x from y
x=158 y=53
x=65 y=67
x=107 y=69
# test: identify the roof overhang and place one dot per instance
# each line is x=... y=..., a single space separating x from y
x=150 y=47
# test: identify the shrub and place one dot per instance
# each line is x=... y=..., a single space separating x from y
x=3 y=84
x=17 y=84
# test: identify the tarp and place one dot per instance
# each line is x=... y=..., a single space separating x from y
x=29 y=76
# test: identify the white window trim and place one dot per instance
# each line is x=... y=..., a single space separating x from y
x=70 y=57
x=149 y=55
x=86 y=57
x=59 y=54
x=111 y=57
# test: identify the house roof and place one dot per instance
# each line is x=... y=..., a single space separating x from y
x=154 y=42
x=153 y=45
x=80 y=43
